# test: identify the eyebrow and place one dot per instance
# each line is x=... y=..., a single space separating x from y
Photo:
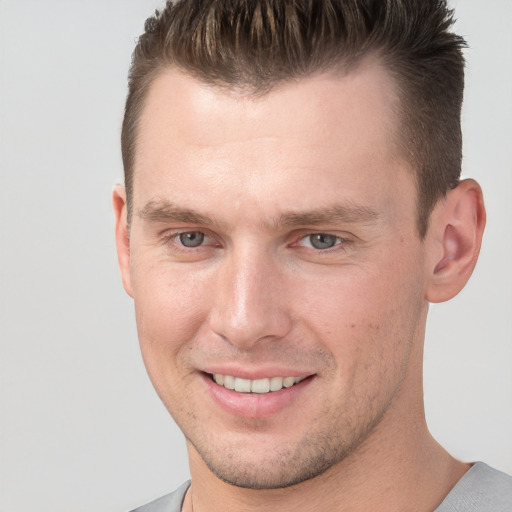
x=334 y=214
x=158 y=210
x=164 y=211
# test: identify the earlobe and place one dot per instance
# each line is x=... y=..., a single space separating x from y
x=122 y=236
x=457 y=226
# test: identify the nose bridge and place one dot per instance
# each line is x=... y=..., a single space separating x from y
x=250 y=305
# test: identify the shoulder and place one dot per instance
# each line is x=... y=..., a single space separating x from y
x=169 y=503
x=481 y=489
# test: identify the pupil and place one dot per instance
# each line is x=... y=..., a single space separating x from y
x=323 y=241
x=192 y=239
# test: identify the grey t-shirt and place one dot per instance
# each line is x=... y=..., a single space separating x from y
x=481 y=489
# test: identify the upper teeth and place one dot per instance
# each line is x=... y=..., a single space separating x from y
x=257 y=385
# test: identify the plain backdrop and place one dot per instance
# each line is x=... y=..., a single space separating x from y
x=81 y=428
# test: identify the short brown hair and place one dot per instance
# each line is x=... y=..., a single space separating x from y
x=253 y=45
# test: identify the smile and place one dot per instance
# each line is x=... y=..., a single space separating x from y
x=260 y=386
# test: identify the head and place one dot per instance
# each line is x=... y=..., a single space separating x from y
x=254 y=46
x=291 y=208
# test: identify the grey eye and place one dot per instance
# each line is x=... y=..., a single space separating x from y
x=191 y=238
x=322 y=240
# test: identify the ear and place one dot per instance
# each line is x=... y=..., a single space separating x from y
x=122 y=236
x=456 y=229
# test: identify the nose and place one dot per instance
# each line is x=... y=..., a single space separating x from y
x=251 y=300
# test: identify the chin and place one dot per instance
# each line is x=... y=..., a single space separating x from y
x=282 y=469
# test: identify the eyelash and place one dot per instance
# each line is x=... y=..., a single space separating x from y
x=340 y=242
x=339 y=245
x=173 y=238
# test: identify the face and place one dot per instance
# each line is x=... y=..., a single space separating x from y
x=273 y=250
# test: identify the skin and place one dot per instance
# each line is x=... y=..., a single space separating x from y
x=258 y=177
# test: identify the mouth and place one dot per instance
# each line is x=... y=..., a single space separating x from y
x=257 y=386
x=262 y=397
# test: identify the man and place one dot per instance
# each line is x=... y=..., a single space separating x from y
x=292 y=205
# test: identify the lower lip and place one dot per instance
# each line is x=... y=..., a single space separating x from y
x=255 y=405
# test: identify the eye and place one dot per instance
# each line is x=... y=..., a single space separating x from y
x=321 y=241
x=191 y=238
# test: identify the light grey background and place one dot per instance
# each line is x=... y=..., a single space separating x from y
x=80 y=426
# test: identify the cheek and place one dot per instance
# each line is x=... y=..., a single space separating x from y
x=368 y=318
x=170 y=310
x=171 y=306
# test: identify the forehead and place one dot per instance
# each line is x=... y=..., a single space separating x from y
x=367 y=90
x=331 y=128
